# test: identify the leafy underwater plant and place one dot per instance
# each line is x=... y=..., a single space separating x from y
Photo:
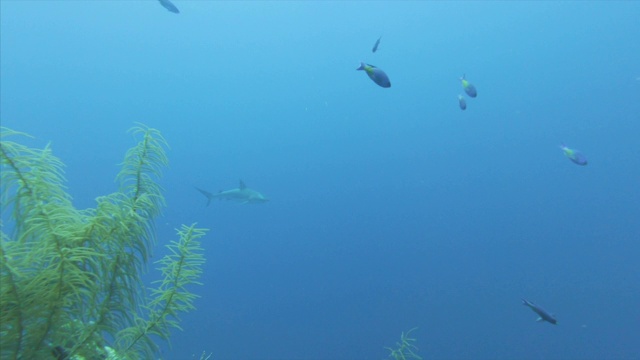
x=70 y=280
x=405 y=348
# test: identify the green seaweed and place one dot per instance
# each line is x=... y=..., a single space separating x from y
x=405 y=348
x=70 y=280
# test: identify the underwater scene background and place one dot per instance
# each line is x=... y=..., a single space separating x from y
x=389 y=208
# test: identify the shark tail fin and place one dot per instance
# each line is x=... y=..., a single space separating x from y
x=207 y=194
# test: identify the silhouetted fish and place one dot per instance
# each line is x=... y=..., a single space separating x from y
x=377 y=75
x=542 y=313
x=468 y=87
x=169 y=6
x=574 y=155
x=462 y=102
x=375 y=46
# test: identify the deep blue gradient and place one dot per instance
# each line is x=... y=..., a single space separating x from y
x=390 y=208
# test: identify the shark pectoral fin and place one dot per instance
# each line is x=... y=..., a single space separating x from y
x=539 y=319
x=207 y=194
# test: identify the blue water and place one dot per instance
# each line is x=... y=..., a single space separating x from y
x=390 y=208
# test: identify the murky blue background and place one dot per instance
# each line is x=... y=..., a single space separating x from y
x=390 y=208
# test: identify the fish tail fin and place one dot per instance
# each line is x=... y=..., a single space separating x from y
x=207 y=194
x=567 y=151
x=362 y=66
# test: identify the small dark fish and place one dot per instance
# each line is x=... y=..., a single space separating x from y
x=543 y=314
x=574 y=155
x=468 y=87
x=375 y=46
x=377 y=75
x=462 y=102
x=169 y=6
x=60 y=353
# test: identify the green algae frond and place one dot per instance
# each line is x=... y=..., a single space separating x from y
x=70 y=279
x=406 y=349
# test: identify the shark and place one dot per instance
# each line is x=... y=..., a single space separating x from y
x=242 y=194
x=542 y=313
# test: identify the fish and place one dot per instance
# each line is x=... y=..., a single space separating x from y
x=242 y=194
x=574 y=155
x=468 y=87
x=462 y=102
x=60 y=353
x=375 y=46
x=377 y=75
x=169 y=6
x=543 y=315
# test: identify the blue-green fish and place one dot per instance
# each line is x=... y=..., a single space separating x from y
x=468 y=87
x=377 y=75
x=462 y=102
x=574 y=155
x=375 y=46
x=242 y=194
x=169 y=6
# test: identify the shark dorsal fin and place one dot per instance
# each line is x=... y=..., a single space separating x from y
x=242 y=185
